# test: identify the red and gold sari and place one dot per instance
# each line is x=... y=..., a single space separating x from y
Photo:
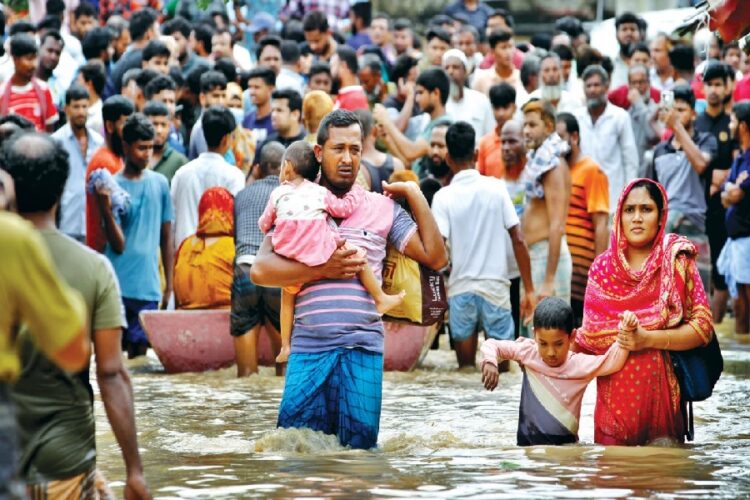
x=641 y=403
x=204 y=265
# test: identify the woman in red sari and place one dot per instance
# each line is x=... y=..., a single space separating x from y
x=655 y=276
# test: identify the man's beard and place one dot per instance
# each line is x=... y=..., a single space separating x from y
x=456 y=91
x=596 y=102
x=438 y=170
x=551 y=92
x=624 y=48
x=335 y=85
x=158 y=148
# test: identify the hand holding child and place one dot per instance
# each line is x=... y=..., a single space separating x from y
x=628 y=322
x=490 y=376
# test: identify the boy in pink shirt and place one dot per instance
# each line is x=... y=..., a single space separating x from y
x=554 y=379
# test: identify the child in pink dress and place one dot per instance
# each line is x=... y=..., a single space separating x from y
x=301 y=212
x=554 y=379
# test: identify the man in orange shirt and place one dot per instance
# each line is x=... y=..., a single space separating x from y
x=586 y=227
x=490 y=153
x=115 y=111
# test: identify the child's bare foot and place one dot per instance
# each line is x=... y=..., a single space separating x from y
x=387 y=302
x=283 y=355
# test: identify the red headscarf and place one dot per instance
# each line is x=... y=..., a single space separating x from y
x=216 y=213
x=656 y=294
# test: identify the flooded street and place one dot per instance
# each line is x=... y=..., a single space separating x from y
x=441 y=435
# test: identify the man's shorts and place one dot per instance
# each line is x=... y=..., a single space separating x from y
x=252 y=304
x=470 y=312
x=134 y=333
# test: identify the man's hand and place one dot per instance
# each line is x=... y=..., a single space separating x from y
x=343 y=264
x=165 y=298
x=380 y=114
x=671 y=118
x=634 y=96
x=490 y=376
x=406 y=88
x=731 y=195
x=528 y=304
x=136 y=489
x=104 y=197
x=398 y=190
x=628 y=322
x=546 y=290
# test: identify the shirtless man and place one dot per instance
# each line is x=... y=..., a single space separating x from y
x=547 y=199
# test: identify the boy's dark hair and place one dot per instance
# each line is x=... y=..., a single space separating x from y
x=734 y=44
x=553 y=313
x=155 y=48
x=49 y=23
x=145 y=77
x=569 y=25
x=131 y=74
x=293 y=31
x=218 y=122
x=203 y=33
x=363 y=10
x=349 y=57
x=570 y=121
x=96 y=41
x=55 y=7
x=211 y=80
x=459 y=139
x=564 y=52
x=85 y=9
x=639 y=47
x=293 y=98
x=433 y=79
x=264 y=73
x=315 y=20
x=270 y=158
x=76 y=93
x=682 y=58
x=715 y=71
x=290 y=52
x=502 y=95
x=177 y=24
x=741 y=111
x=140 y=22
x=404 y=63
x=175 y=73
x=402 y=24
x=156 y=108
x=437 y=32
x=21 y=27
x=137 y=128
x=193 y=78
x=506 y=15
x=39 y=167
x=227 y=67
x=115 y=107
x=158 y=84
x=302 y=157
x=338 y=118
x=627 y=18
x=684 y=93
x=19 y=121
x=499 y=35
x=22 y=44
x=320 y=67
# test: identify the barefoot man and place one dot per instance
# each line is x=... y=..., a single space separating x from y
x=335 y=371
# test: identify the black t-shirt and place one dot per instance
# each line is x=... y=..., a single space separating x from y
x=718 y=126
x=284 y=141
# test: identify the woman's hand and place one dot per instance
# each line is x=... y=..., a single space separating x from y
x=490 y=376
x=633 y=341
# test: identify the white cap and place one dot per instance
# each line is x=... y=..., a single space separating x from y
x=458 y=54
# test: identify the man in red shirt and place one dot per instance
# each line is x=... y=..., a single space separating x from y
x=344 y=69
x=23 y=94
x=115 y=111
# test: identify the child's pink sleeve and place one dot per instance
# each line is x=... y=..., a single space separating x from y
x=590 y=366
x=268 y=218
x=341 y=208
x=515 y=350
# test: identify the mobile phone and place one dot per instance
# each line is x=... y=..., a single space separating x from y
x=667 y=99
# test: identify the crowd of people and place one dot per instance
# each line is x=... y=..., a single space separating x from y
x=166 y=156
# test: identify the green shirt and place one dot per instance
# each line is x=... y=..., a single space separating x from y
x=54 y=408
x=170 y=162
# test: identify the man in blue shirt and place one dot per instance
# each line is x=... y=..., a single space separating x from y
x=477 y=12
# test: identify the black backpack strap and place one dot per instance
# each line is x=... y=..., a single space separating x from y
x=686 y=408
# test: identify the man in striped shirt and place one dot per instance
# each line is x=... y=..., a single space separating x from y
x=334 y=376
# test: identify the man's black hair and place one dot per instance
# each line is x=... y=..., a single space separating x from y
x=95 y=73
x=39 y=167
x=137 y=128
x=23 y=44
x=302 y=157
x=19 y=121
x=226 y=66
x=177 y=24
x=155 y=48
x=175 y=73
x=320 y=67
x=85 y=9
x=55 y=7
x=193 y=78
x=459 y=139
x=362 y=10
x=731 y=75
x=715 y=71
x=293 y=31
x=542 y=41
x=684 y=93
x=212 y=79
x=315 y=20
x=502 y=95
x=293 y=98
x=348 y=56
x=570 y=121
x=437 y=32
x=404 y=63
x=554 y=313
x=439 y=20
x=569 y=25
x=436 y=78
x=639 y=47
x=264 y=42
x=270 y=158
x=54 y=34
x=156 y=108
x=264 y=73
x=506 y=15
x=145 y=77
x=49 y=23
x=682 y=58
x=499 y=35
x=290 y=52
x=158 y=84
x=429 y=186
x=21 y=27
x=96 y=41
x=203 y=33
x=402 y=24
x=76 y=93
x=741 y=111
x=627 y=18
x=140 y=22
x=734 y=44
x=115 y=107
x=564 y=52
x=131 y=74
x=372 y=61
x=338 y=118
x=218 y=122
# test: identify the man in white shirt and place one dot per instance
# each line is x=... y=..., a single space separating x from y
x=551 y=85
x=207 y=171
x=606 y=133
x=503 y=48
x=465 y=103
x=470 y=213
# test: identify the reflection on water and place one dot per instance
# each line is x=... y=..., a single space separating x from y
x=441 y=435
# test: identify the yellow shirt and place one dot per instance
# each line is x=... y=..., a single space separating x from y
x=31 y=293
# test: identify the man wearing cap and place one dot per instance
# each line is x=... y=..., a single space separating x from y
x=465 y=103
x=261 y=24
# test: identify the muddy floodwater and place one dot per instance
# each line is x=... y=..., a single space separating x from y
x=210 y=435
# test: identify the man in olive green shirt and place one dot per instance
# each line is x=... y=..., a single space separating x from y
x=165 y=160
x=55 y=408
